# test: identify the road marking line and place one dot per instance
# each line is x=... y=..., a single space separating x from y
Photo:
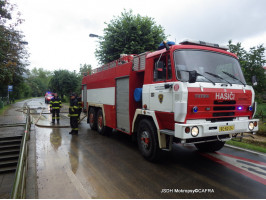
x=240 y=158
x=79 y=187
x=247 y=150
x=257 y=172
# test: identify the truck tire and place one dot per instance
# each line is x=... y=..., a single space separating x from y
x=148 y=140
x=210 y=146
x=92 y=119
x=101 y=128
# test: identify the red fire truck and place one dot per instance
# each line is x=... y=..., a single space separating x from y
x=193 y=92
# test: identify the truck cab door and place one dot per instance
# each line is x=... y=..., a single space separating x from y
x=161 y=91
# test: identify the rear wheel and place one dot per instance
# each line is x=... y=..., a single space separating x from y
x=148 y=140
x=101 y=128
x=92 y=119
x=210 y=146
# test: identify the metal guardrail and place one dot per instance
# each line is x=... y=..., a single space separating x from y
x=19 y=187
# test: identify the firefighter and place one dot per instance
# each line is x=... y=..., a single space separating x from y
x=80 y=107
x=73 y=114
x=55 y=105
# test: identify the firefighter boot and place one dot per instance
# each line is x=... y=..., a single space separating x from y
x=58 y=121
x=71 y=132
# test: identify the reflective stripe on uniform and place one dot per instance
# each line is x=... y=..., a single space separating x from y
x=73 y=115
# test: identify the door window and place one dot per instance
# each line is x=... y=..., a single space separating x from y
x=162 y=70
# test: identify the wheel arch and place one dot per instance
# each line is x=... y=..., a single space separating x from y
x=150 y=115
x=97 y=107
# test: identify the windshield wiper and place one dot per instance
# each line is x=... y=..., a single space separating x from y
x=217 y=76
x=198 y=74
x=233 y=77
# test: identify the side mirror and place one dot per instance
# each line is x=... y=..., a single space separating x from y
x=254 y=80
x=192 y=76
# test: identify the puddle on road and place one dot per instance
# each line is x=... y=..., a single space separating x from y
x=58 y=160
x=56 y=139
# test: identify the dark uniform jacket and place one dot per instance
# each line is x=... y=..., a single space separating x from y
x=73 y=108
x=79 y=102
x=55 y=103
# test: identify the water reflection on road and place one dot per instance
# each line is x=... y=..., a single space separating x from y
x=74 y=154
x=90 y=165
x=55 y=138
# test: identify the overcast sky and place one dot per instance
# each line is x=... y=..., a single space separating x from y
x=58 y=31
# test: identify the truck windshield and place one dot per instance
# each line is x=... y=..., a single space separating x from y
x=212 y=66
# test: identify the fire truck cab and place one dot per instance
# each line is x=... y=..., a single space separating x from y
x=193 y=92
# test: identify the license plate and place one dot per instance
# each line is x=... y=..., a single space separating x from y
x=226 y=128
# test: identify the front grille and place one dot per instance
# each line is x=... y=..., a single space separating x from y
x=222 y=109
x=215 y=108
x=225 y=102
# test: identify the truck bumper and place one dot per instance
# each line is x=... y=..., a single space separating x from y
x=214 y=129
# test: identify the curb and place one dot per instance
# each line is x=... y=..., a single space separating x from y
x=247 y=150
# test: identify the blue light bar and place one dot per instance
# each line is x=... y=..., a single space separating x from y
x=170 y=43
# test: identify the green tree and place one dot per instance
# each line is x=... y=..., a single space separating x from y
x=13 y=55
x=251 y=62
x=63 y=82
x=129 y=34
x=39 y=80
x=5 y=11
x=83 y=71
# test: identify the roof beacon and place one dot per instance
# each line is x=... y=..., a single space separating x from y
x=166 y=44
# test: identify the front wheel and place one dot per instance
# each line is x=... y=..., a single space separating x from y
x=210 y=146
x=148 y=140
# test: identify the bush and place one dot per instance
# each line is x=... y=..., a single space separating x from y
x=262 y=129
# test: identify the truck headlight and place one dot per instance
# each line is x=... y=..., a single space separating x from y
x=251 y=126
x=195 y=131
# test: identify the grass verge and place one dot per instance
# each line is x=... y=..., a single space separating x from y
x=247 y=146
x=261 y=109
x=262 y=128
x=2 y=110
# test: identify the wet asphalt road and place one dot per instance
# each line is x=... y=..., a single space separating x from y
x=90 y=165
